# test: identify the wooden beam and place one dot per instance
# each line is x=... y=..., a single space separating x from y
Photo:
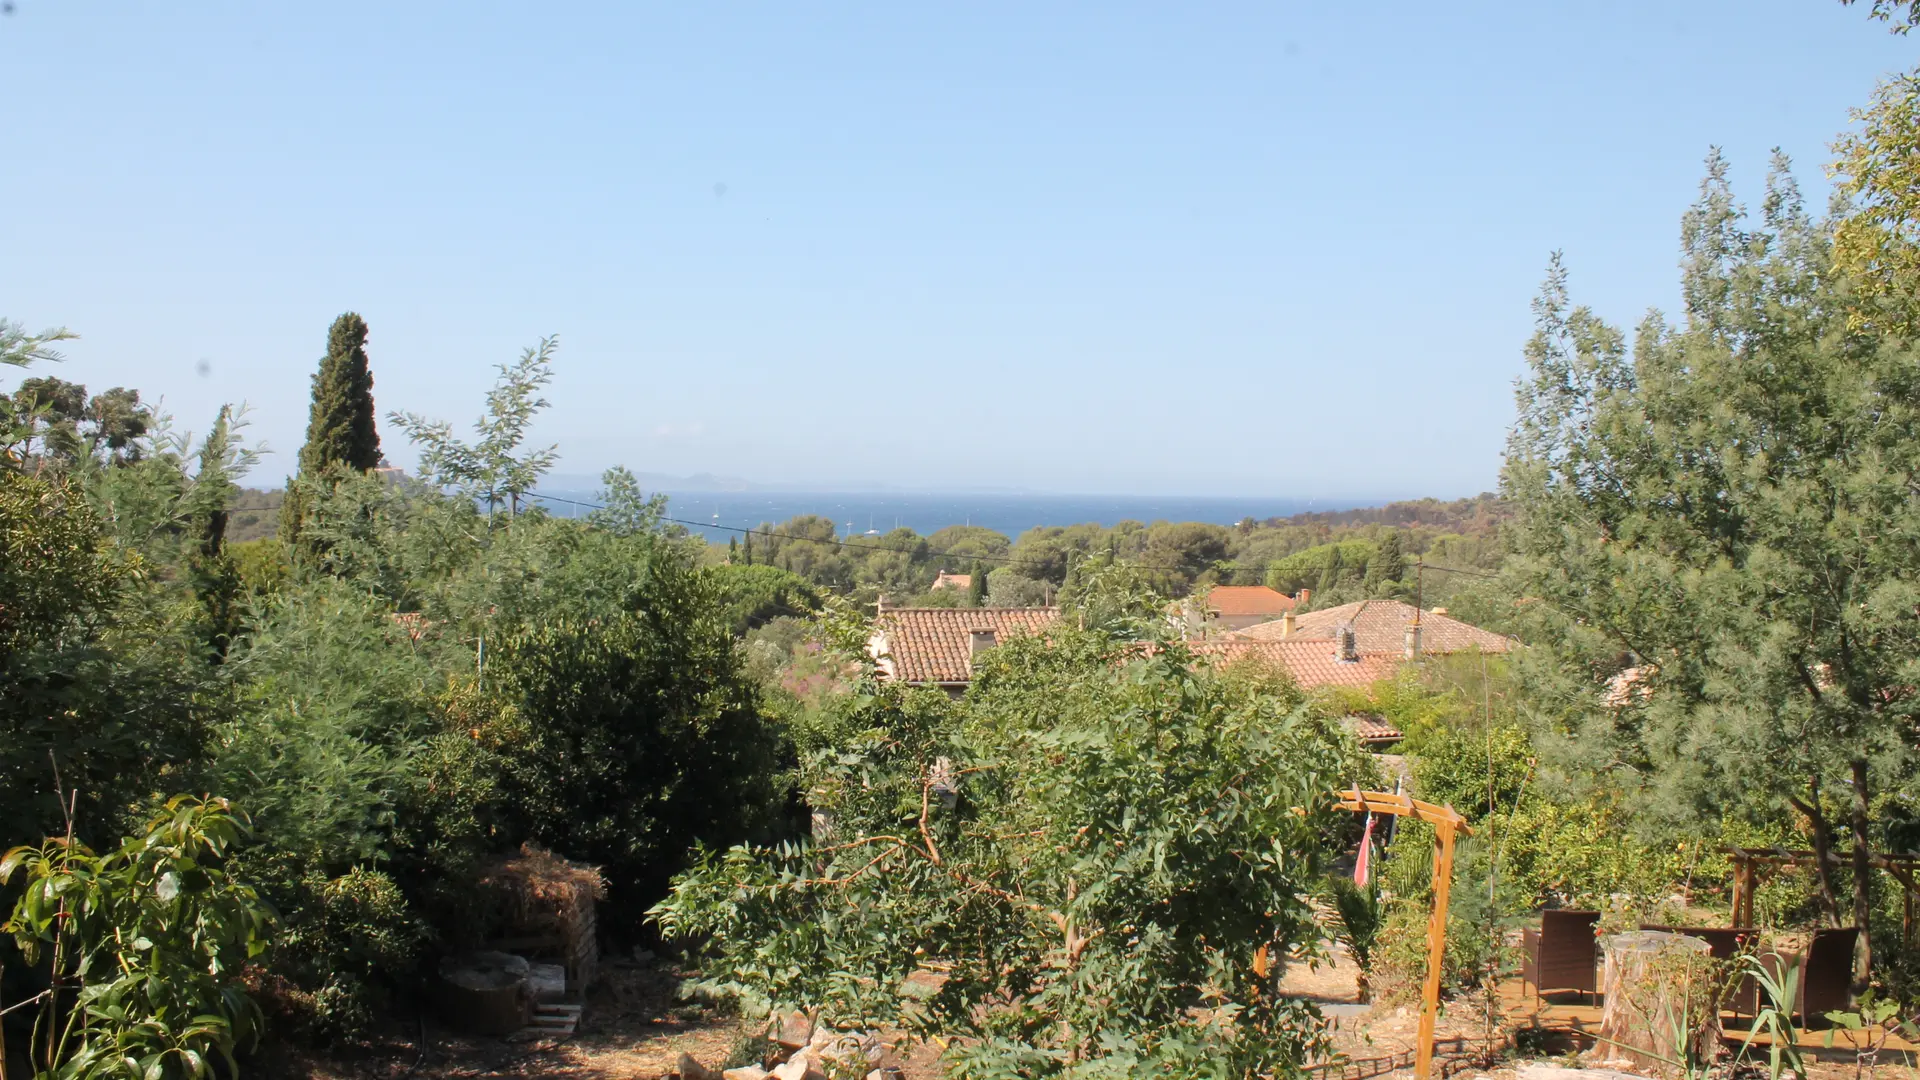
x=1436 y=950
x=1382 y=802
x=1742 y=890
x=1801 y=856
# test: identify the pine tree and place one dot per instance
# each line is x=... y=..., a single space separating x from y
x=733 y=550
x=340 y=426
x=1387 y=566
x=748 y=557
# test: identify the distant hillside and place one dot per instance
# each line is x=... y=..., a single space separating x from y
x=255 y=515
x=1481 y=515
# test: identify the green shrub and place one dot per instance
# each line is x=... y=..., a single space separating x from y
x=146 y=944
x=353 y=939
x=752 y=596
x=1101 y=852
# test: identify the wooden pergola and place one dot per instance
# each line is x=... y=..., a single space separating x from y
x=1749 y=863
x=1447 y=824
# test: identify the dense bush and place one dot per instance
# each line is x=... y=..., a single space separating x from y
x=99 y=673
x=1110 y=855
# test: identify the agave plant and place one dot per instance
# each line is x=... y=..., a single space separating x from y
x=1778 y=990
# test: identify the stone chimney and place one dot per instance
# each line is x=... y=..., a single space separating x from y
x=1303 y=597
x=1286 y=625
x=1413 y=640
x=1349 y=648
x=980 y=639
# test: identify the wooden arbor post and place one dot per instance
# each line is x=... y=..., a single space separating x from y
x=1447 y=823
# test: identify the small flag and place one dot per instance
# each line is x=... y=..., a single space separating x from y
x=1363 y=865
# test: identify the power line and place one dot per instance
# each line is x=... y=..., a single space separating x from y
x=1009 y=560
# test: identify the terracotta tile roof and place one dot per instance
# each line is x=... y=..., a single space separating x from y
x=935 y=645
x=1373 y=729
x=1381 y=626
x=1248 y=600
x=1313 y=662
x=953 y=581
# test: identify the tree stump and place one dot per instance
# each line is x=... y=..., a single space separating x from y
x=485 y=993
x=1660 y=1002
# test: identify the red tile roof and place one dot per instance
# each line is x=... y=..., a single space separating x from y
x=1373 y=729
x=953 y=581
x=1381 y=626
x=1248 y=600
x=1313 y=662
x=935 y=645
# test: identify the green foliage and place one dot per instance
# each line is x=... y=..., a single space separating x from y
x=21 y=349
x=352 y=936
x=1358 y=914
x=341 y=436
x=1114 y=598
x=54 y=422
x=340 y=426
x=1386 y=567
x=331 y=709
x=1007 y=587
x=1779 y=997
x=629 y=736
x=624 y=509
x=494 y=469
x=1321 y=568
x=1100 y=850
x=145 y=944
x=98 y=681
x=1900 y=15
x=752 y=596
x=263 y=565
x=1877 y=242
x=1722 y=509
x=1476 y=773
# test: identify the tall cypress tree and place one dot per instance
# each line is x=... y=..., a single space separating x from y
x=1387 y=566
x=340 y=428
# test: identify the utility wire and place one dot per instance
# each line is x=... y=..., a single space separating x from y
x=870 y=545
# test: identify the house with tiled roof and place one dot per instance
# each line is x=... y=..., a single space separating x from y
x=962 y=582
x=1384 y=626
x=1236 y=607
x=1310 y=662
x=937 y=646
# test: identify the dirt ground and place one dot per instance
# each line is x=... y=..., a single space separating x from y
x=634 y=1028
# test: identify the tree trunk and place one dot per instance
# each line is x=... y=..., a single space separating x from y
x=1659 y=1011
x=1822 y=848
x=1862 y=882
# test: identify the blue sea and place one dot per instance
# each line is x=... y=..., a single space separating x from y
x=719 y=514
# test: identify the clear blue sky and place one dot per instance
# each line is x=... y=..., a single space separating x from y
x=1247 y=248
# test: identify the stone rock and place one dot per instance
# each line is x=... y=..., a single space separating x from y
x=690 y=1068
x=888 y=1073
x=794 y=1030
x=801 y=1066
x=745 y=1072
